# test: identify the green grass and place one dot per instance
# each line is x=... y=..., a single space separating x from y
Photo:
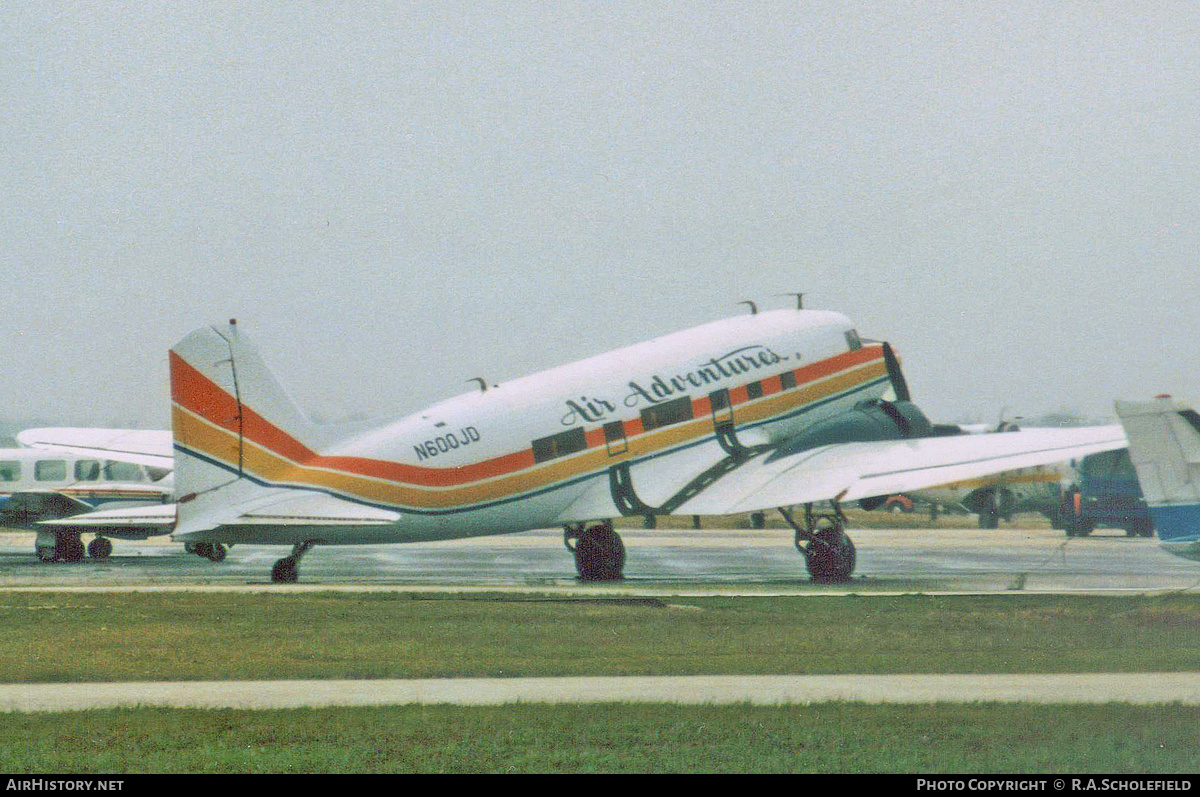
x=181 y=636
x=831 y=737
x=63 y=637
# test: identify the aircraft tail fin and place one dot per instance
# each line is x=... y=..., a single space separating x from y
x=230 y=418
x=1164 y=445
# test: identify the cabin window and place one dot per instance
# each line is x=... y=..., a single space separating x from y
x=122 y=472
x=10 y=470
x=754 y=390
x=852 y=340
x=667 y=413
x=787 y=380
x=559 y=445
x=87 y=470
x=50 y=470
x=614 y=438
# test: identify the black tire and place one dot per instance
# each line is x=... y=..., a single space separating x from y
x=284 y=572
x=99 y=548
x=758 y=520
x=1139 y=528
x=70 y=549
x=831 y=557
x=600 y=555
x=216 y=552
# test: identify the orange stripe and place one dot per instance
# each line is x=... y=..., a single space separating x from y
x=273 y=448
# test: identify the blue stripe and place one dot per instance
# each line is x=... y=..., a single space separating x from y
x=1180 y=523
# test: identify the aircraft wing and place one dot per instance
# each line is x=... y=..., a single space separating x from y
x=851 y=471
x=151 y=447
x=28 y=507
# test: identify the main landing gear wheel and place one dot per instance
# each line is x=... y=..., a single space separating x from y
x=831 y=556
x=213 y=551
x=599 y=553
x=99 y=548
x=59 y=546
x=828 y=553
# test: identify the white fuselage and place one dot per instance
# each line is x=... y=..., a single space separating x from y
x=548 y=448
x=93 y=481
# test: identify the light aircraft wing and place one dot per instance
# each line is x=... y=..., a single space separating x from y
x=31 y=506
x=851 y=471
x=151 y=447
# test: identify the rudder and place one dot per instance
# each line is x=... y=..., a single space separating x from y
x=1164 y=445
x=230 y=418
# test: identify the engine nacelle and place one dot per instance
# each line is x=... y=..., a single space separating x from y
x=867 y=421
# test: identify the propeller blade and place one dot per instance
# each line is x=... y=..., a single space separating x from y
x=899 y=385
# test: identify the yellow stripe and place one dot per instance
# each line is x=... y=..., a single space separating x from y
x=220 y=444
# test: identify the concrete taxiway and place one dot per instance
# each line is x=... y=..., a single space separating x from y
x=657 y=562
x=1140 y=688
x=1007 y=561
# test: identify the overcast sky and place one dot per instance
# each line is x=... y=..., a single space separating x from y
x=392 y=198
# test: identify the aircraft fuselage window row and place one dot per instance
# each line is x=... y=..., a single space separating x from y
x=559 y=445
x=85 y=470
x=655 y=417
x=660 y=415
x=669 y=412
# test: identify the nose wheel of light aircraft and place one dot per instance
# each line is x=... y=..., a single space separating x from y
x=828 y=552
x=599 y=551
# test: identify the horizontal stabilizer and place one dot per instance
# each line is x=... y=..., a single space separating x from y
x=140 y=521
x=283 y=508
x=307 y=508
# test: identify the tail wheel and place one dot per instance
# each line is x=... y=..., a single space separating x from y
x=599 y=554
x=284 y=572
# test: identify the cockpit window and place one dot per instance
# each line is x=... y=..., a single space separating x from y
x=10 y=470
x=852 y=340
x=157 y=474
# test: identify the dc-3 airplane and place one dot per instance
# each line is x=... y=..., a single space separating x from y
x=1164 y=444
x=767 y=410
x=65 y=472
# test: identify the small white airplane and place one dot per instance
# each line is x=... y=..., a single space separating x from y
x=66 y=472
x=767 y=410
x=1164 y=444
